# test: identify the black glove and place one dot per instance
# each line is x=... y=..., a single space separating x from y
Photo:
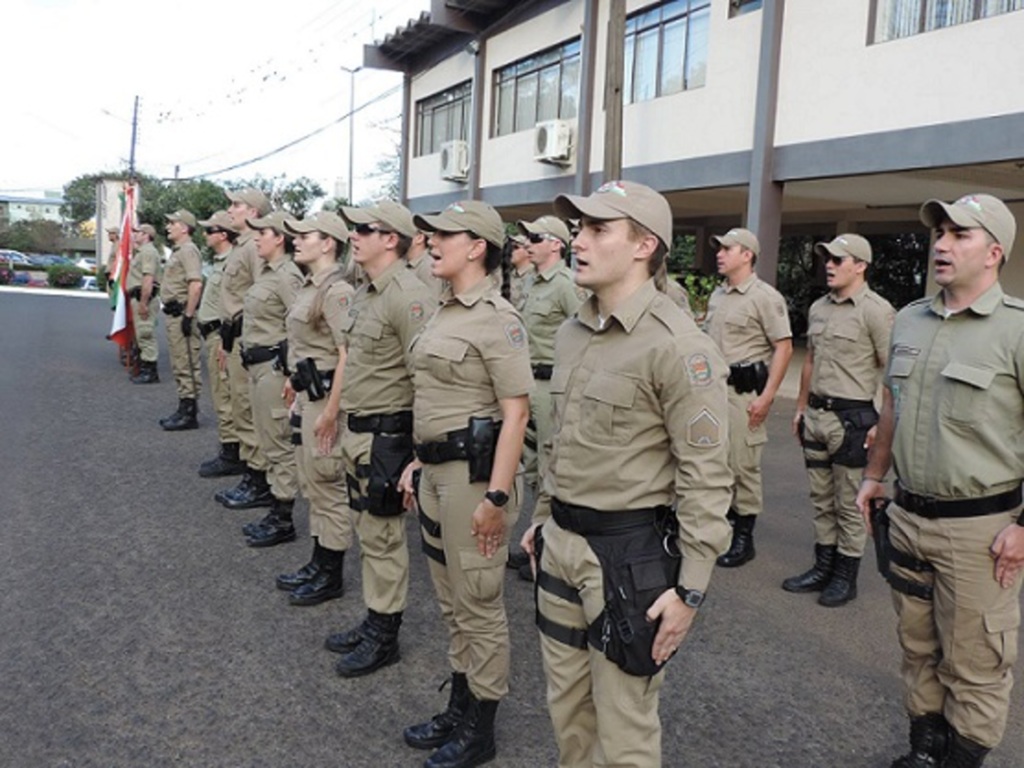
x=186 y=325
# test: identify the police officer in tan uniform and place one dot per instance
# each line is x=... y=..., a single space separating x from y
x=522 y=273
x=264 y=354
x=418 y=260
x=384 y=316
x=747 y=319
x=180 y=292
x=317 y=351
x=143 y=289
x=835 y=420
x=951 y=425
x=640 y=409
x=472 y=381
x=220 y=234
x=240 y=270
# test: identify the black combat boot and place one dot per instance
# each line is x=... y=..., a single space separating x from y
x=929 y=739
x=147 y=373
x=224 y=464
x=843 y=586
x=438 y=729
x=963 y=752
x=326 y=584
x=817 y=578
x=289 y=581
x=378 y=648
x=742 y=549
x=473 y=741
x=184 y=419
x=255 y=494
x=176 y=416
x=278 y=528
x=242 y=486
x=348 y=640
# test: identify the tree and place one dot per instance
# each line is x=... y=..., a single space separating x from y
x=35 y=236
x=387 y=171
x=80 y=194
x=297 y=197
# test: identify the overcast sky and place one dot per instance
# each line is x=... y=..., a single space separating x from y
x=220 y=83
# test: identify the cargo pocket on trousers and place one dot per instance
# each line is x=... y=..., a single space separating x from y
x=1001 y=634
x=483 y=576
x=282 y=425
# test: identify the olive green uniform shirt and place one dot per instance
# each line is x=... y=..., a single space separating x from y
x=553 y=298
x=679 y=296
x=849 y=339
x=145 y=262
x=209 y=307
x=240 y=272
x=384 y=316
x=267 y=303
x=641 y=408
x=519 y=284
x=319 y=337
x=183 y=267
x=745 y=320
x=959 y=396
x=471 y=354
x=422 y=270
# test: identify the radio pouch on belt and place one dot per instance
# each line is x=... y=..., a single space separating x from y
x=856 y=425
x=389 y=455
x=483 y=437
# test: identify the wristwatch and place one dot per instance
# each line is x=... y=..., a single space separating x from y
x=497 y=498
x=691 y=597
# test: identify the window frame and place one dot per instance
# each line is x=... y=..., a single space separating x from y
x=461 y=94
x=635 y=31
x=978 y=12
x=568 y=51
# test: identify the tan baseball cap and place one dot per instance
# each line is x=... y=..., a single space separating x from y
x=185 y=217
x=394 y=216
x=466 y=216
x=622 y=200
x=545 y=225
x=974 y=211
x=149 y=229
x=325 y=222
x=737 y=236
x=519 y=240
x=252 y=197
x=113 y=230
x=220 y=220
x=846 y=245
x=273 y=220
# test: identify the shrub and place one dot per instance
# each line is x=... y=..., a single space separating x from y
x=6 y=275
x=61 y=276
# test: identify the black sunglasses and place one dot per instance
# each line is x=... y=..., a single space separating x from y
x=369 y=229
x=214 y=231
x=538 y=237
x=835 y=260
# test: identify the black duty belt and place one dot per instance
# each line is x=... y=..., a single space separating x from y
x=388 y=423
x=837 y=403
x=453 y=448
x=542 y=371
x=586 y=521
x=174 y=308
x=930 y=507
x=255 y=355
x=136 y=293
x=207 y=328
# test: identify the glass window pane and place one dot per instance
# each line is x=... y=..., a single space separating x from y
x=440 y=132
x=995 y=7
x=673 y=46
x=526 y=102
x=627 y=75
x=672 y=10
x=897 y=18
x=423 y=133
x=506 y=107
x=570 y=89
x=547 y=104
x=649 y=18
x=945 y=13
x=697 y=49
x=645 y=72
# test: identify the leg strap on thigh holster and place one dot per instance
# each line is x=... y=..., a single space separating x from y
x=886 y=554
x=571 y=636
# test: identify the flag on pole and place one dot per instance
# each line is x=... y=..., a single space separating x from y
x=121 y=332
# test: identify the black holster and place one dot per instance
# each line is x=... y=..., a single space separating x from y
x=389 y=455
x=174 y=308
x=483 y=439
x=856 y=425
x=886 y=555
x=748 y=377
x=229 y=332
x=307 y=378
x=281 y=363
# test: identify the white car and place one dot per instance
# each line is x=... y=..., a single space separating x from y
x=13 y=258
x=87 y=263
x=88 y=283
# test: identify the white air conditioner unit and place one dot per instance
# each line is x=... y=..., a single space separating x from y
x=552 y=142
x=455 y=160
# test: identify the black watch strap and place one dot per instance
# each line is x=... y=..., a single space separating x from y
x=497 y=498
x=691 y=597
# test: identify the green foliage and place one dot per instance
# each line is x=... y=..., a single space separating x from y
x=36 y=236
x=296 y=197
x=64 y=277
x=80 y=193
x=681 y=263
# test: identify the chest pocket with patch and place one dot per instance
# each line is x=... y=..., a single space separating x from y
x=443 y=356
x=900 y=368
x=965 y=395
x=606 y=407
x=369 y=337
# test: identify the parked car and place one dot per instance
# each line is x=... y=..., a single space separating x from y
x=87 y=263
x=89 y=283
x=51 y=260
x=13 y=258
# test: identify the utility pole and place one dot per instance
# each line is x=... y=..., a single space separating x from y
x=135 y=133
x=351 y=129
x=615 y=58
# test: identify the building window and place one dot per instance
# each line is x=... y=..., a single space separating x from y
x=666 y=49
x=739 y=7
x=544 y=86
x=902 y=18
x=443 y=117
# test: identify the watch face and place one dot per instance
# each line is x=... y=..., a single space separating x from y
x=497 y=498
x=694 y=598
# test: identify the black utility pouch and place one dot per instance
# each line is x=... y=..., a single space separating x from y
x=483 y=437
x=281 y=362
x=880 y=533
x=856 y=425
x=389 y=455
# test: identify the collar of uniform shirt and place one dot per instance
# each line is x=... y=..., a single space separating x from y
x=854 y=299
x=380 y=282
x=628 y=313
x=742 y=287
x=983 y=305
x=474 y=294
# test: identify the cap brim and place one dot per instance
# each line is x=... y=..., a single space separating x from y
x=299 y=227
x=823 y=249
x=439 y=222
x=576 y=207
x=934 y=212
x=359 y=215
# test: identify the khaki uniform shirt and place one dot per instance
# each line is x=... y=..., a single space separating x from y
x=849 y=339
x=384 y=316
x=745 y=320
x=267 y=303
x=145 y=262
x=641 y=410
x=471 y=354
x=183 y=267
x=519 y=286
x=553 y=298
x=240 y=272
x=209 y=308
x=679 y=296
x=422 y=270
x=959 y=396
x=319 y=337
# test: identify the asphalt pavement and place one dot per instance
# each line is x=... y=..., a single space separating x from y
x=137 y=629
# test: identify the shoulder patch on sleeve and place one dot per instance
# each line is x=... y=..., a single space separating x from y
x=704 y=430
x=516 y=334
x=416 y=311
x=698 y=368
x=343 y=301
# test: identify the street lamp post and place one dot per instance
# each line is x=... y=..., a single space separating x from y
x=351 y=128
